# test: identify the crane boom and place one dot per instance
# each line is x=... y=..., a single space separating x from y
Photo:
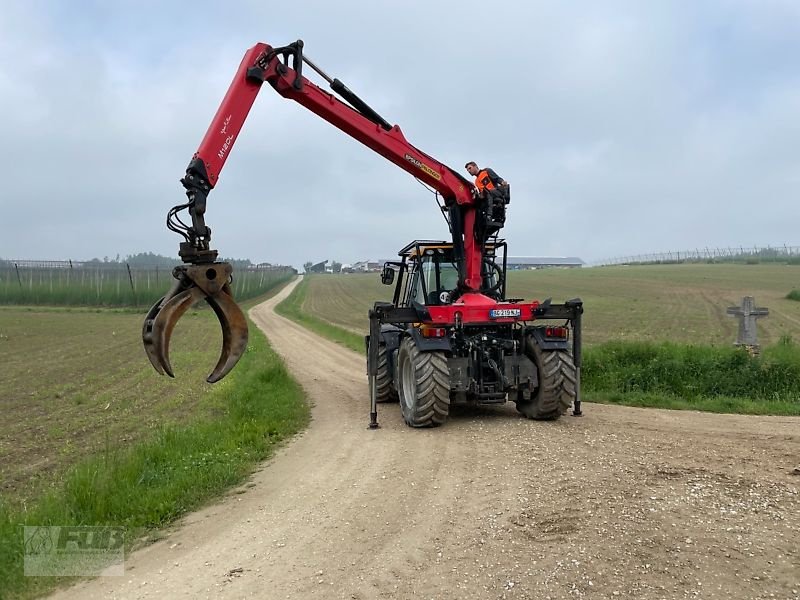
x=282 y=69
x=202 y=276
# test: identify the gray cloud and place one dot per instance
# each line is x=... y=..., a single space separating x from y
x=624 y=127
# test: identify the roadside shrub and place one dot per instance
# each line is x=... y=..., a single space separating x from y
x=694 y=371
x=793 y=295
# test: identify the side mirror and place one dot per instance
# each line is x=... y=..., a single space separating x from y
x=387 y=276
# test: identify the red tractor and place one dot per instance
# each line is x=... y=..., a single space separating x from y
x=438 y=345
x=450 y=333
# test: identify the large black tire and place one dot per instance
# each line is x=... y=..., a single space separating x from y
x=424 y=385
x=384 y=391
x=557 y=389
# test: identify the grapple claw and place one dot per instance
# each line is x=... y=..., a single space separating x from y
x=160 y=322
x=194 y=283
x=234 y=332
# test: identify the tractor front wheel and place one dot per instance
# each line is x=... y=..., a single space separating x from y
x=424 y=385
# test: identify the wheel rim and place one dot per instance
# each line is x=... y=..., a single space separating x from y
x=408 y=378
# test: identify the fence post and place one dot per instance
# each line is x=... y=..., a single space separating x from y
x=19 y=279
x=130 y=277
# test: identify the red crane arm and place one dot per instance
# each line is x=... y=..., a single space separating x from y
x=261 y=63
x=264 y=63
x=203 y=277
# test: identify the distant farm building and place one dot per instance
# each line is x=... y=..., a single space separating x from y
x=371 y=266
x=541 y=262
x=318 y=268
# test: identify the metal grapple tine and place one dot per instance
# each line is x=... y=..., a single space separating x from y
x=234 y=332
x=160 y=322
x=148 y=336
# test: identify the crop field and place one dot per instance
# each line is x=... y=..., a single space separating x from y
x=679 y=303
x=655 y=335
x=77 y=380
x=112 y=284
x=345 y=300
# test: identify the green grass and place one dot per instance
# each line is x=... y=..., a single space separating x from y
x=292 y=308
x=176 y=469
x=718 y=404
x=669 y=375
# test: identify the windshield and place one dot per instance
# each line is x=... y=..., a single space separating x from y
x=447 y=279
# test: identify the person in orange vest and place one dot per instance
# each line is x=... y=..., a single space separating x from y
x=486 y=180
x=495 y=192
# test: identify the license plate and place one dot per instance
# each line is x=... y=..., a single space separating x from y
x=501 y=313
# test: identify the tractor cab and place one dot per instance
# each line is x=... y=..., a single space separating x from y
x=429 y=273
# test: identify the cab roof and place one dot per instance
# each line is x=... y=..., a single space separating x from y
x=420 y=246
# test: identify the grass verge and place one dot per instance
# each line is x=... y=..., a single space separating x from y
x=180 y=467
x=292 y=308
x=713 y=379
x=717 y=404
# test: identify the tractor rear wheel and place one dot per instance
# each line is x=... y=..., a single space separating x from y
x=384 y=392
x=557 y=389
x=424 y=385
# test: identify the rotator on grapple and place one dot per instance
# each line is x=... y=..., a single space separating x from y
x=446 y=336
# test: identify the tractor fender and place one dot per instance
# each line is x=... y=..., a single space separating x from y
x=390 y=338
x=537 y=333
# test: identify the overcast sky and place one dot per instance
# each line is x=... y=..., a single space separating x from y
x=623 y=127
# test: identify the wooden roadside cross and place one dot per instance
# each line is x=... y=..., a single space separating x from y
x=747 y=314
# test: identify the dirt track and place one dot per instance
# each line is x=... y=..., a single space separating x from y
x=622 y=503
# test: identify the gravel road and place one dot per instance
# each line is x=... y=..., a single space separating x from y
x=621 y=503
